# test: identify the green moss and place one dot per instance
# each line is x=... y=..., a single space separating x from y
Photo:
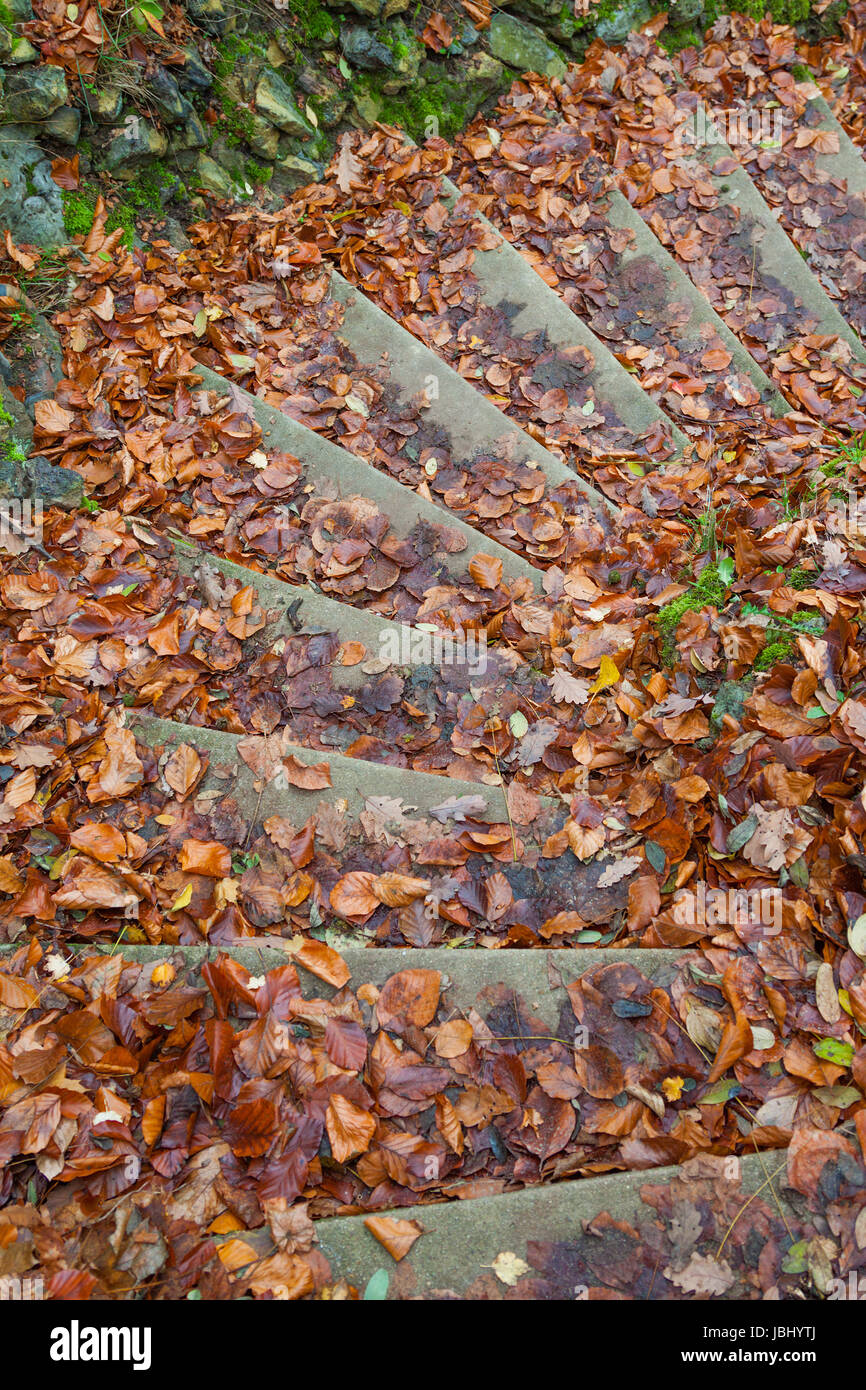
x=78 y=208
x=730 y=699
x=258 y=173
x=773 y=653
x=416 y=110
x=801 y=578
x=313 y=25
x=709 y=590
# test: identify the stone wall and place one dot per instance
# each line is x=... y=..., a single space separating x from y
x=166 y=104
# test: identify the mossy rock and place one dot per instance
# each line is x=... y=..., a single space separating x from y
x=524 y=47
x=214 y=16
x=33 y=95
x=275 y=101
x=30 y=202
x=136 y=143
x=616 y=26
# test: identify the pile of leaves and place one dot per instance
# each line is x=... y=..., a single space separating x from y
x=164 y=1132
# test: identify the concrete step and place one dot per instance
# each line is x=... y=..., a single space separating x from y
x=377 y=805
x=826 y=219
x=393 y=704
x=778 y=264
x=535 y=313
x=472 y=979
x=330 y=472
x=675 y=169
x=627 y=288
x=463 y=422
x=592 y=1238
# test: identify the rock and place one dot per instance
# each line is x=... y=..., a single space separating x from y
x=105 y=105
x=5 y=44
x=617 y=27
x=34 y=95
x=405 y=54
x=331 y=101
x=523 y=47
x=294 y=172
x=368 y=105
x=135 y=143
x=214 y=180
x=190 y=136
x=164 y=93
x=19 y=11
x=31 y=207
x=262 y=137
x=23 y=51
x=373 y=9
x=193 y=76
x=275 y=101
x=363 y=49
x=64 y=125
x=49 y=484
x=211 y=15
x=684 y=11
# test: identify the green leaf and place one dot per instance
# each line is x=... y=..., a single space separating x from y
x=377 y=1287
x=831 y=1050
x=840 y=1097
x=815 y=712
x=345 y=69
x=199 y=323
x=797 y=1259
x=129 y=588
x=518 y=724
x=241 y=361
x=655 y=855
x=722 y=1091
x=741 y=834
x=726 y=568
x=586 y=937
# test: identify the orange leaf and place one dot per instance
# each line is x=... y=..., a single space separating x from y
x=164 y=638
x=397 y=1236
x=454 y=1038
x=183 y=770
x=353 y=896
x=151 y=1120
x=410 y=996
x=350 y=653
x=309 y=778
x=206 y=857
x=398 y=890
x=324 y=962
x=736 y=1042
x=15 y=993
x=102 y=842
x=350 y=1128
x=486 y=571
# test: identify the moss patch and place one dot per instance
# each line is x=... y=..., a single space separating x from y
x=709 y=590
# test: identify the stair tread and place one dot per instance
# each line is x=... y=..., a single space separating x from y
x=724 y=236
x=628 y=289
x=450 y=824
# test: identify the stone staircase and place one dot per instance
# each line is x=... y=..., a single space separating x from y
x=663 y=299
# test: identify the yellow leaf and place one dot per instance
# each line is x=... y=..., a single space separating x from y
x=184 y=900
x=509 y=1267
x=162 y=974
x=607 y=675
x=672 y=1086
